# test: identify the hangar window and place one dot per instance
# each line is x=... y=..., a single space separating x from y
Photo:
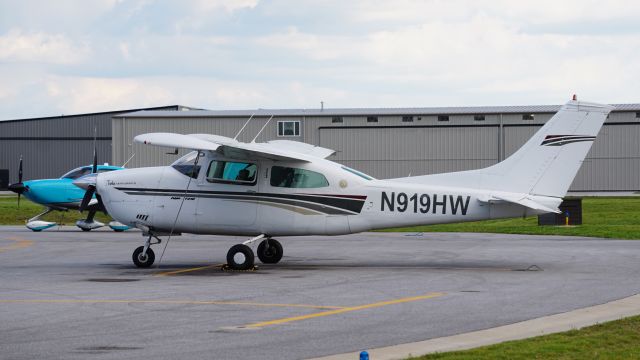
x=527 y=117
x=638 y=115
x=478 y=117
x=407 y=119
x=443 y=117
x=336 y=119
x=230 y=172
x=372 y=119
x=296 y=178
x=288 y=128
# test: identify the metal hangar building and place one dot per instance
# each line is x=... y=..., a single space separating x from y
x=396 y=142
x=51 y=146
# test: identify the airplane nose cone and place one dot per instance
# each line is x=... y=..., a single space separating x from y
x=86 y=181
x=18 y=188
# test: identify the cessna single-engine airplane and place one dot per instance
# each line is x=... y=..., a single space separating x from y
x=283 y=188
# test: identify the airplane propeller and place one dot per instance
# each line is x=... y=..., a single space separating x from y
x=89 y=182
x=19 y=187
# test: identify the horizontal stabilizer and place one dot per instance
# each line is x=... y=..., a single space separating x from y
x=520 y=199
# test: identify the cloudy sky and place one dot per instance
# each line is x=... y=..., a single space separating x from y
x=65 y=56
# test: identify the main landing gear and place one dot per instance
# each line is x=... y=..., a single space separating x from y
x=240 y=256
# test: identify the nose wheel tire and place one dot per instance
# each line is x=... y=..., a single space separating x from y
x=270 y=251
x=141 y=260
x=240 y=257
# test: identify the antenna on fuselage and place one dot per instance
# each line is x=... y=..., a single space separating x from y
x=244 y=126
x=126 y=162
x=260 y=132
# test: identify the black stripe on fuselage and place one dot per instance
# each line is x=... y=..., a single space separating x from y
x=329 y=204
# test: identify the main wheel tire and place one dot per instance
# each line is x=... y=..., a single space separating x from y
x=85 y=229
x=271 y=253
x=141 y=260
x=240 y=257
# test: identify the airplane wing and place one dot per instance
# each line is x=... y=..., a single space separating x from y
x=175 y=141
x=225 y=146
x=523 y=200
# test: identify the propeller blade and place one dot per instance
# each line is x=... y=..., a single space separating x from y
x=20 y=170
x=19 y=200
x=87 y=197
x=95 y=161
x=101 y=204
x=94 y=170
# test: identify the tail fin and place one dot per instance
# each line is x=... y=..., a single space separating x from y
x=546 y=164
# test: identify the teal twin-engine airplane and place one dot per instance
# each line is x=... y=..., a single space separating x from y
x=60 y=194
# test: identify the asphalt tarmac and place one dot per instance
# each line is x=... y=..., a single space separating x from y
x=67 y=294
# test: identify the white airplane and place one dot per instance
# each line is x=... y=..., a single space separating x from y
x=288 y=188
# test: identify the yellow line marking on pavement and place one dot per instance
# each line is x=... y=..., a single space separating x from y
x=344 y=310
x=20 y=244
x=168 y=302
x=167 y=273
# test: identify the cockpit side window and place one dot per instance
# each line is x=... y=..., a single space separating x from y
x=185 y=164
x=230 y=172
x=297 y=178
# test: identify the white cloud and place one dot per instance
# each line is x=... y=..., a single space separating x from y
x=249 y=54
x=16 y=46
x=226 y=5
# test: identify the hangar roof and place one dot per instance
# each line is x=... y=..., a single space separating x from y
x=155 y=109
x=518 y=109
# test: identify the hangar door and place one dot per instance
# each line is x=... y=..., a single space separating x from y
x=388 y=152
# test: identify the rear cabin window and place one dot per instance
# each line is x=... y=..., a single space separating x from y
x=230 y=172
x=296 y=178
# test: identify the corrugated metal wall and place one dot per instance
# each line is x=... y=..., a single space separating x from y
x=394 y=152
x=52 y=146
x=392 y=148
x=44 y=159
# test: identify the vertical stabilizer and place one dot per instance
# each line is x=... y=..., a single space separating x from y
x=546 y=164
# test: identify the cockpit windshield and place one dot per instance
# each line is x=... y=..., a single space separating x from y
x=82 y=171
x=186 y=164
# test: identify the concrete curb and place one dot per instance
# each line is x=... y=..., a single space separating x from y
x=575 y=319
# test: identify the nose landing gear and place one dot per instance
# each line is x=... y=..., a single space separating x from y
x=143 y=256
